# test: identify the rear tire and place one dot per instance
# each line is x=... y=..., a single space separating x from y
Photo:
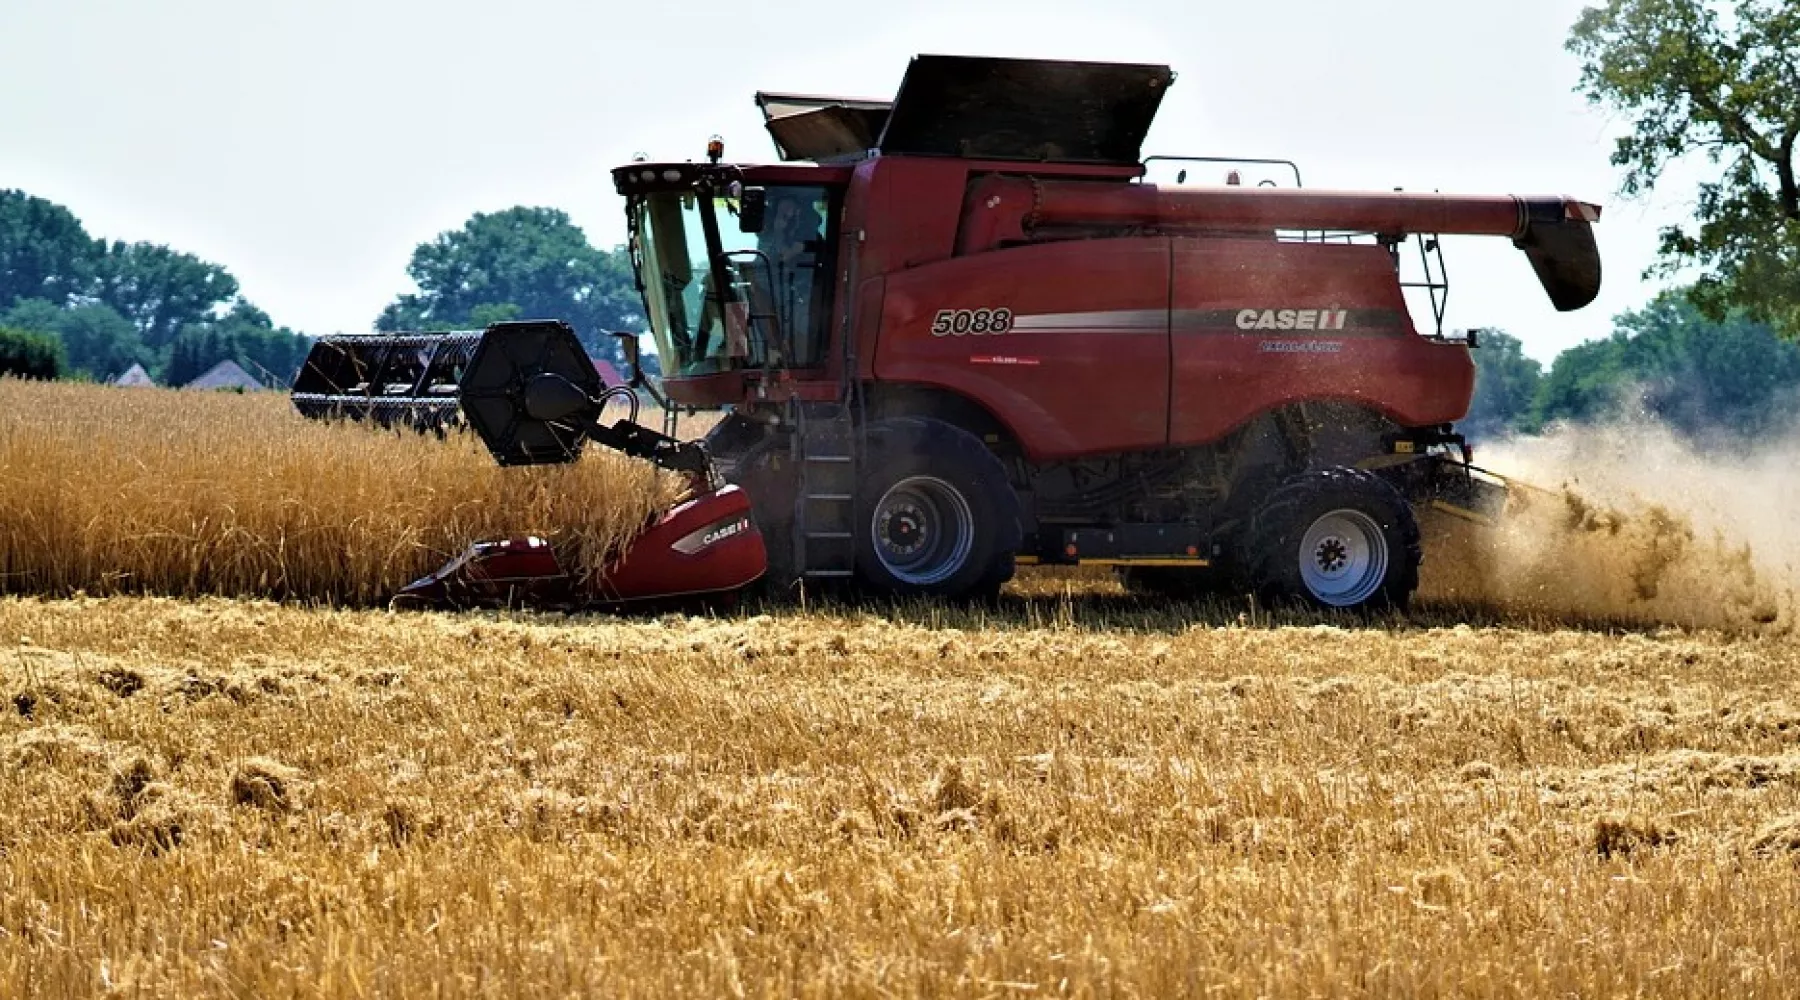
x=1335 y=538
x=935 y=513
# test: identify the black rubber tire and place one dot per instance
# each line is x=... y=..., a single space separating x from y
x=1274 y=539
x=903 y=447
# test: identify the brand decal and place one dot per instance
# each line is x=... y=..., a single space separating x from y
x=720 y=534
x=1301 y=346
x=714 y=533
x=971 y=322
x=1292 y=319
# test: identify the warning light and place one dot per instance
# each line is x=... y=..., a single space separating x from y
x=715 y=148
x=1070 y=551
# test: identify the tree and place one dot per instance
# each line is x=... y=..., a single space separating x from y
x=1584 y=384
x=44 y=251
x=1506 y=382
x=244 y=335
x=1737 y=377
x=160 y=290
x=97 y=341
x=192 y=354
x=1693 y=84
x=29 y=355
x=531 y=263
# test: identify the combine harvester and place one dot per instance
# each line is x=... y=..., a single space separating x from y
x=960 y=331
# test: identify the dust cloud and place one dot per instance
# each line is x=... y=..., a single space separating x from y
x=1628 y=522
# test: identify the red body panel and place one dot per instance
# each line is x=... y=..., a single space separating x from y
x=1083 y=363
x=1132 y=342
x=1225 y=374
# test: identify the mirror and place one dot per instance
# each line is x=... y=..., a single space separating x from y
x=750 y=210
x=628 y=346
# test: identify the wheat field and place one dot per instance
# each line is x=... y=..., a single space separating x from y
x=159 y=491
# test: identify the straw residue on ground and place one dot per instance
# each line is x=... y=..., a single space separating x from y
x=244 y=799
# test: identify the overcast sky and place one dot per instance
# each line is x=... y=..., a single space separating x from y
x=309 y=147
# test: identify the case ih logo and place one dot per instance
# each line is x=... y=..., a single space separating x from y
x=718 y=531
x=1292 y=319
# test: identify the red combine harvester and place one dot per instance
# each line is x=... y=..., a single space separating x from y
x=960 y=331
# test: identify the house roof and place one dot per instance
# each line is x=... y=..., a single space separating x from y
x=225 y=375
x=135 y=375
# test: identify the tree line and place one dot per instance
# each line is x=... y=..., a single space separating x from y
x=75 y=306
x=1668 y=360
x=78 y=306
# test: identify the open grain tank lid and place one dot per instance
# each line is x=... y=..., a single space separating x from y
x=821 y=128
x=981 y=107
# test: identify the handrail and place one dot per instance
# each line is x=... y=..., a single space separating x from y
x=1290 y=164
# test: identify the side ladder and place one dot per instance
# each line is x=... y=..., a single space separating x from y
x=824 y=514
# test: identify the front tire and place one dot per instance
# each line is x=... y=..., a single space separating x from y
x=1336 y=538
x=935 y=513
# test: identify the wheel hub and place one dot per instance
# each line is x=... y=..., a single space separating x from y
x=923 y=530
x=1344 y=557
x=905 y=529
x=1332 y=554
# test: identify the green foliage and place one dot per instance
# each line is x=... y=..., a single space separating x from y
x=1672 y=362
x=1694 y=83
x=160 y=290
x=98 y=342
x=488 y=315
x=523 y=263
x=30 y=355
x=244 y=335
x=1506 y=383
x=194 y=351
x=44 y=251
x=115 y=305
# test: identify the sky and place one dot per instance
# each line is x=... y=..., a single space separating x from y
x=310 y=147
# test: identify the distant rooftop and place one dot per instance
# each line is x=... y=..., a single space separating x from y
x=134 y=376
x=225 y=375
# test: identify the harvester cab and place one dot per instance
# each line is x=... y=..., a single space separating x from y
x=959 y=331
